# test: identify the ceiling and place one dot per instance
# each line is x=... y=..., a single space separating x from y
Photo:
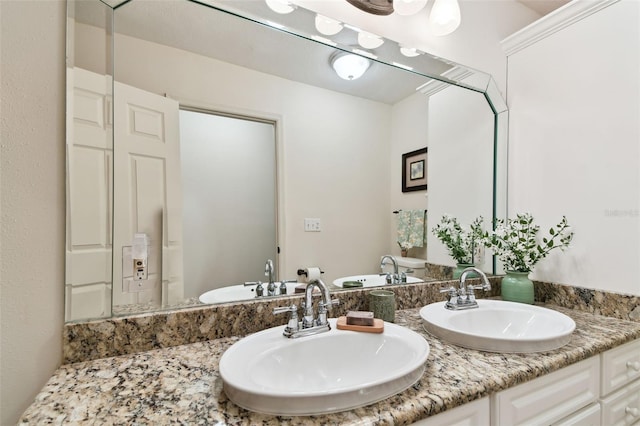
x=543 y=7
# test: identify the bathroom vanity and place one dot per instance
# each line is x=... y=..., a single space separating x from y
x=181 y=384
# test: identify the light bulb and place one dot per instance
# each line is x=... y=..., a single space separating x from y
x=408 y=7
x=280 y=6
x=368 y=40
x=409 y=52
x=327 y=26
x=445 y=17
x=349 y=66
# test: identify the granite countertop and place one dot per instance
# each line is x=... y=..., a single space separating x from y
x=181 y=384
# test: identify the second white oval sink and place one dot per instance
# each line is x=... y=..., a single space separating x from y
x=371 y=280
x=499 y=326
x=324 y=373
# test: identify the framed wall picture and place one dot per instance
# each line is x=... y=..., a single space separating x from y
x=414 y=170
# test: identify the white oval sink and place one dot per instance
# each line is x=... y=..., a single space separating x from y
x=233 y=293
x=499 y=326
x=371 y=280
x=324 y=373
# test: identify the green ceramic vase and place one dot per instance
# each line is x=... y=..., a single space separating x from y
x=517 y=287
x=461 y=267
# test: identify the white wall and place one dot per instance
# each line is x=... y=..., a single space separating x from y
x=574 y=101
x=32 y=209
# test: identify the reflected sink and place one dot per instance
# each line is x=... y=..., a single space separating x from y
x=233 y=293
x=371 y=280
x=499 y=326
x=323 y=373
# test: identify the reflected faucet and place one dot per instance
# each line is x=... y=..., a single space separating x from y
x=464 y=297
x=395 y=278
x=268 y=272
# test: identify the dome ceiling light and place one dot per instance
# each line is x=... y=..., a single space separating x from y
x=280 y=6
x=375 y=7
x=445 y=17
x=349 y=66
x=369 y=40
x=327 y=26
x=408 y=7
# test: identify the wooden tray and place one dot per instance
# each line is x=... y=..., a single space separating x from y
x=377 y=327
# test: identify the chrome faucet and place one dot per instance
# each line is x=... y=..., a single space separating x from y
x=464 y=297
x=395 y=278
x=268 y=272
x=310 y=324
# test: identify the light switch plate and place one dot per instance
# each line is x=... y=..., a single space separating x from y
x=311 y=224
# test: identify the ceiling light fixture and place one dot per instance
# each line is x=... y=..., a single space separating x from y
x=408 y=7
x=327 y=26
x=368 y=40
x=445 y=17
x=409 y=52
x=349 y=66
x=280 y=6
x=375 y=7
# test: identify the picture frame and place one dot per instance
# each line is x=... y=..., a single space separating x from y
x=414 y=170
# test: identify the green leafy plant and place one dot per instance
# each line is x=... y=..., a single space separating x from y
x=459 y=242
x=515 y=242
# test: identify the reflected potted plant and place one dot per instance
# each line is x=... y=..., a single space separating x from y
x=515 y=243
x=462 y=244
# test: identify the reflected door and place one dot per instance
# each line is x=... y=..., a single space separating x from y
x=148 y=197
x=229 y=176
x=89 y=156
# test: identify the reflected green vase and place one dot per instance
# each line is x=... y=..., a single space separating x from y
x=461 y=267
x=517 y=287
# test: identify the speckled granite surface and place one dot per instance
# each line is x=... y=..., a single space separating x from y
x=125 y=335
x=181 y=384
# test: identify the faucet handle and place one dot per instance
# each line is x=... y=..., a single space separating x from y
x=292 y=324
x=284 y=309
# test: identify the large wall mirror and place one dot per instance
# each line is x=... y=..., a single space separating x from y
x=205 y=140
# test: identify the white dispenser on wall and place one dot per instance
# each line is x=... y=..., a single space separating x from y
x=411 y=266
x=140 y=256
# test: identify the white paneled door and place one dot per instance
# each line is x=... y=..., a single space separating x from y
x=88 y=233
x=148 y=199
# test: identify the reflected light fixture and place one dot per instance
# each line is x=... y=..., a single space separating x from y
x=408 y=7
x=409 y=52
x=349 y=66
x=445 y=17
x=327 y=26
x=368 y=40
x=280 y=6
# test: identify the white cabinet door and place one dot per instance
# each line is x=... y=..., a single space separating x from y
x=589 y=416
x=549 y=398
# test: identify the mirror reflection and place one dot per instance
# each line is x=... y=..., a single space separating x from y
x=236 y=143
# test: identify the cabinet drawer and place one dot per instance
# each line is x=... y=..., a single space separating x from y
x=589 y=416
x=623 y=406
x=549 y=398
x=620 y=366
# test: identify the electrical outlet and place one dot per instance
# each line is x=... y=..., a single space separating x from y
x=311 y=225
x=139 y=269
